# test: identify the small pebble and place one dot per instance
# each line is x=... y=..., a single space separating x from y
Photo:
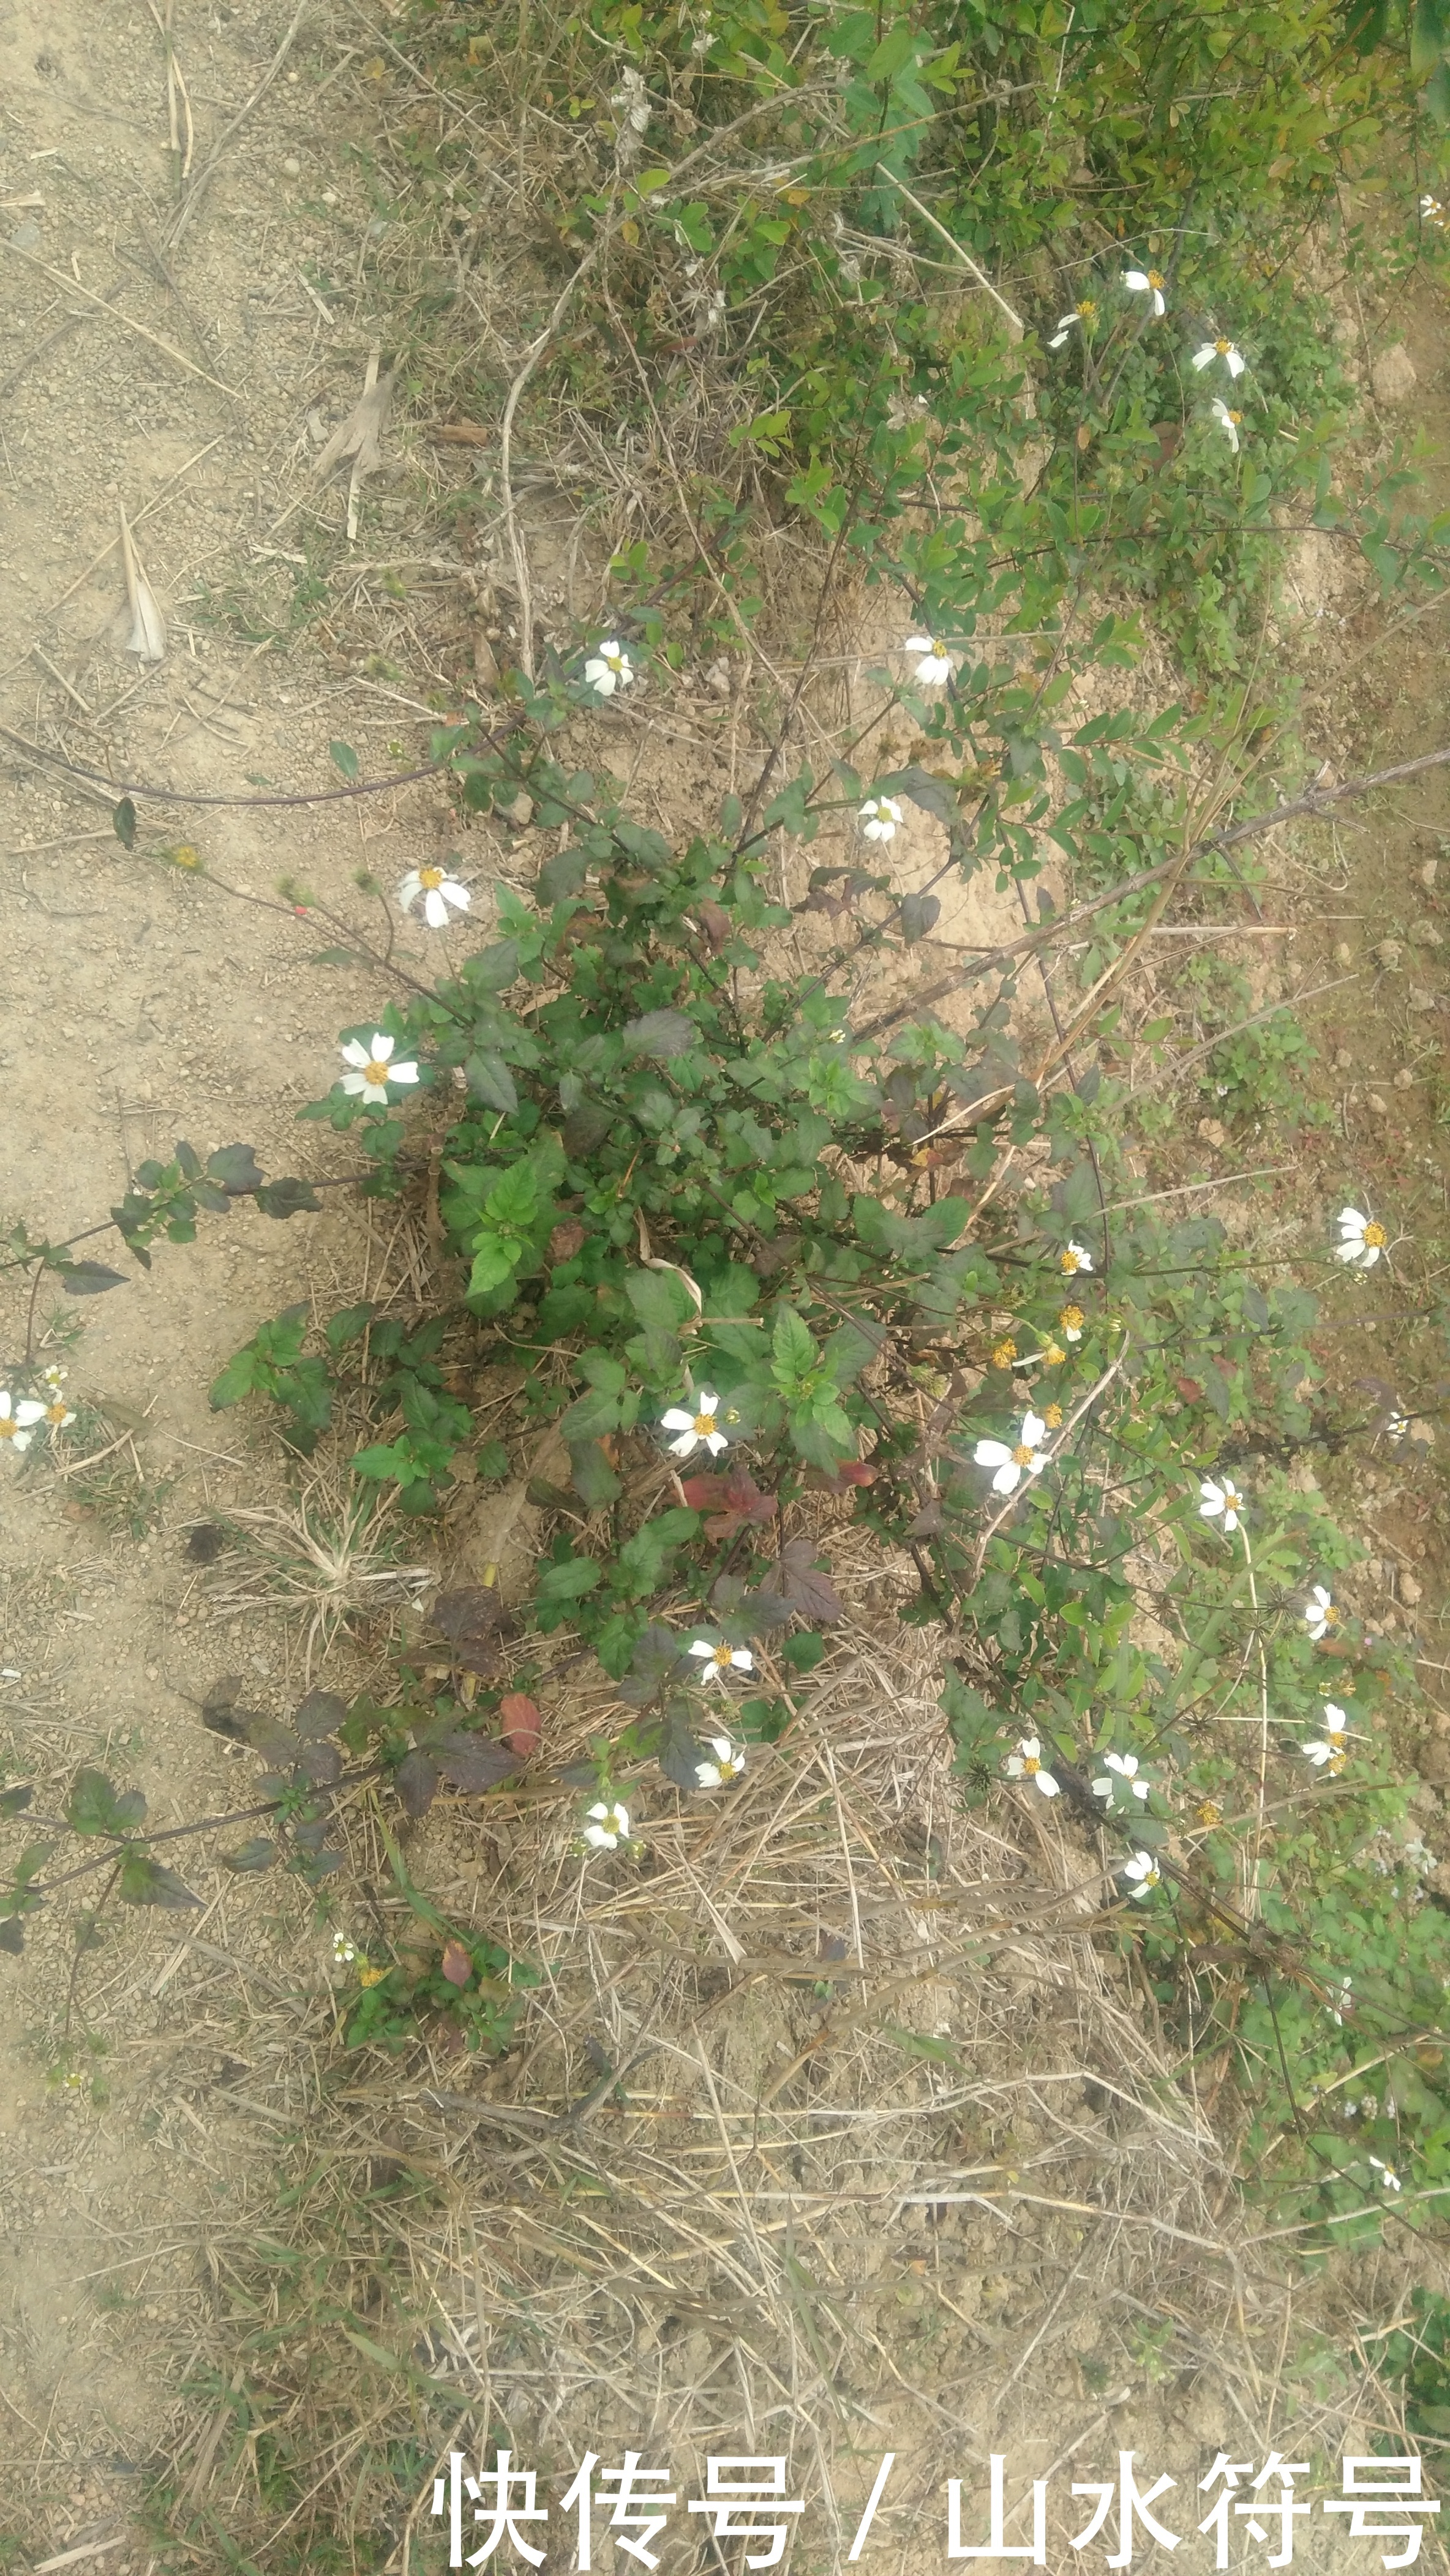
x=1344 y=954
x=291 y=167
x=1373 y=1100
x=1429 y=872
x=1343 y=1061
x=1422 y=999
x=1410 y=1591
x=1387 y=954
x=1404 y=1079
x=329 y=196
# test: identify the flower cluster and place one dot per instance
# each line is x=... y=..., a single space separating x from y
x=1327 y=1753
x=1218 y=351
x=22 y=1416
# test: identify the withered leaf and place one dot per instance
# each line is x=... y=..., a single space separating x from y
x=734 y=1501
x=805 y=1585
x=522 y=1723
x=472 y=1762
x=455 y=1963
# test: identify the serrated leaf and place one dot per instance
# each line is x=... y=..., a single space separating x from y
x=681 y=1754
x=88 y=1278
x=472 y=1763
x=656 y=1653
x=661 y=1033
x=95 y=1806
x=290 y=1197
x=562 y=876
x=269 y=1737
x=235 y=1168
x=322 y=1712
x=144 y=1881
x=490 y=1081
x=258 y=1854
x=416 y=1782
x=807 y=1586
x=586 y=1127
x=593 y=1478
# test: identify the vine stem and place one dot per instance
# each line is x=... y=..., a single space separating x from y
x=1252 y=1893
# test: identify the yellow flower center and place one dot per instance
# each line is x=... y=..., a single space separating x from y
x=1004 y=1354
x=1237 y=419
x=1209 y=1813
x=1070 y=1264
x=722 y=1659
x=1022 y=1456
x=8 y=1426
x=1071 y=1319
x=705 y=1425
x=1376 y=1235
x=428 y=878
x=1054 y=1355
x=1086 y=309
x=1154 y=279
x=1222 y=347
x=1053 y=1417
x=56 y=1412
x=1335 y=1765
x=1328 y=1613
x=1030 y=1765
x=375 y=1070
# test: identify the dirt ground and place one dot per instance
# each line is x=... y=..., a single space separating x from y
x=150 y=2120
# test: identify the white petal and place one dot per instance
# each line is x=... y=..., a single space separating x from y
x=1102 y=1788
x=707 y=1775
x=1047 y=1784
x=677 y=1419
x=743 y=1660
x=1203 y=357
x=1033 y=1430
x=722 y=1748
x=1014 y=1766
x=410 y=889
x=456 y=894
x=1370 y=1256
x=1135 y=279
x=28 y=1411
x=686 y=1445
x=382 y=1047
x=918 y=644
x=715 y=1441
x=435 y=910
x=1057 y=341
x=1007 y=1479
x=354 y=1052
x=992 y=1453
x=702 y=1648
x=1031 y=1747
x=402 y=1073
x=1159 y=307
x=1235 y=363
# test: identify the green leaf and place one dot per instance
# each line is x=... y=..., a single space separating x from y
x=345 y=759
x=235 y=1168
x=559 y=1584
x=237 y=1379
x=563 y=876
x=144 y=1881
x=123 y=823
x=595 y=1481
x=88 y=1278
x=490 y=1081
x=251 y=1856
x=96 y=1807
x=290 y=1197
x=791 y=1346
x=661 y=1033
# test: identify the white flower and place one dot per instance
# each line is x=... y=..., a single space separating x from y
x=1230 y=422
x=1432 y=212
x=17 y=1421
x=54 y=1375
x=720 y=1660
x=1320 y=1614
x=695 y=1428
x=58 y=1414
x=343 y=1951
x=1341 y=2000
x=1018 y=1461
x=1146 y=281
x=1074 y=1260
x=1396 y=1427
x=728 y=1764
x=1361 y=1241
x=608 y=1827
x=1084 y=315
x=879 y=817
x=1224 y=1498
x=1126 y=1767
x=1224 y=349
x=1071 y=1321
x=1329 y=1753
x=374 y=1069
x=609 y=669
x=438 y=892
x=1389 y=2179
x=1143 y=1870
x=936 y=661
x=1026 y=1764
